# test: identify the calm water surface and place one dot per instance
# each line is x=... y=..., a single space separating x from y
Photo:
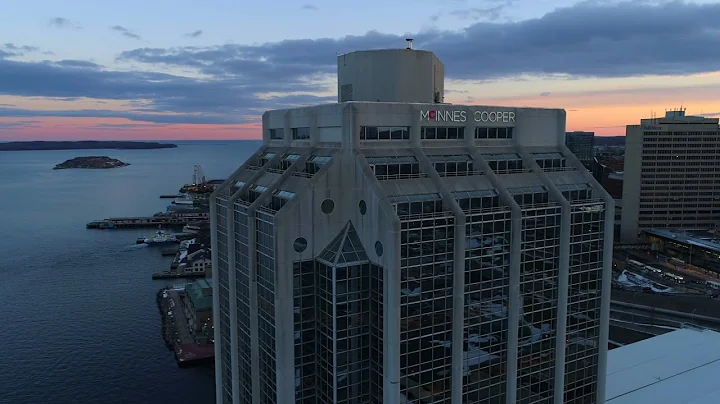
x=78 y=322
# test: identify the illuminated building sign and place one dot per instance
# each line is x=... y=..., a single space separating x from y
x=462 y=116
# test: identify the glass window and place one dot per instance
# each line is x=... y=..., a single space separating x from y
x=494 y=133
x=278 y=133
x=301 y=133
x=504 y=163
x=452 y=133
x=384 y=133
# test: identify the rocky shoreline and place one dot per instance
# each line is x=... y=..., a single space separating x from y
x=91 y=162
x=168 y=327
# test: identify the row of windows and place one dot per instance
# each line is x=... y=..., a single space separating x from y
x=297 y=133
x=494 y=133
x=703 y=133
x=442 y=133
x=403 y=133
x=384 y=132
x=432 y=133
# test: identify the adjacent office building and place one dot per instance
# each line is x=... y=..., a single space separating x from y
x=581 y=144
x=672 y=174
x=390 y=248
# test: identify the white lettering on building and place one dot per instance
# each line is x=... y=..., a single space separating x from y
x=461 y=116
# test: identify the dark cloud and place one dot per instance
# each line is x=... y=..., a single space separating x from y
x=233 y=81
x=60 y=22
x=545 y=94
x=19 y=124
x=586 y=40
x=22 y=48
x=139 y=117
x=76 y=63
x=310 y=7
x=492 y=11
x=194 y=34
x=125 y=32
x=11 y=50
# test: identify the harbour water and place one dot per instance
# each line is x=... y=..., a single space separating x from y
x=79 y=322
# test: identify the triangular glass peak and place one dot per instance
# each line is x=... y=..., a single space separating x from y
x=345 y=248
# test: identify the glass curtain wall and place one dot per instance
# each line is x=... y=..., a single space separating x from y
x=224 y=296
x=539 y=263
x=242 y=290
x=584 y=298
x=338 y=325
x=487 y=260
x=426 y=271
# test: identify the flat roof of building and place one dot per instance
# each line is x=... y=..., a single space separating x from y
x=696 y=238
x=678 y=367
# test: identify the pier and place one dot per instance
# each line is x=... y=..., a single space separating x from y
x=178 y=338
x=177 y=275
x=152 y=221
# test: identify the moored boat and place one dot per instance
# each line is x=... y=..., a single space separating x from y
x=158 y=239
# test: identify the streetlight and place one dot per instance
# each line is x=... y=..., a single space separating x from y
x=633 y=312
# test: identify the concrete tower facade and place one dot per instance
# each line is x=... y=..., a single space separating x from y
x=411 y=252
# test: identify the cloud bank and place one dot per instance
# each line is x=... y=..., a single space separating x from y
x=233 y=83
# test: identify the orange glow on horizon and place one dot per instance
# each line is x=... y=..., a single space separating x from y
x=606 y=114
x=44 y=128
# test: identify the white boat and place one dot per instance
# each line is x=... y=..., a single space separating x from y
x=158 y=239
x=185 y=200
x=191 y=228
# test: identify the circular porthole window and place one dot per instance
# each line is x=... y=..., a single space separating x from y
x=378 y=249
x=327 y=206
x=300 y=244
x=363 y=207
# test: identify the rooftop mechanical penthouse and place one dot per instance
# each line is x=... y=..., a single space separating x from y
x=393 y=249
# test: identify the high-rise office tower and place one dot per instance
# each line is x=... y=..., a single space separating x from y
x=672 y=174
x=393 y=249
x=581 y=145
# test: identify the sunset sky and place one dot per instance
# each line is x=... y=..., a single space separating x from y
x=181 y=69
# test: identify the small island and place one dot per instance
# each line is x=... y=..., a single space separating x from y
x=83 y=145
x=94 y=162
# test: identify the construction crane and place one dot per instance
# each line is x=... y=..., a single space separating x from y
x=198 y=175
x=199 y=183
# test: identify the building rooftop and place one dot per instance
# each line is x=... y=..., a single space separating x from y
x=678 y=367
x=695 y=238
x=196 y=292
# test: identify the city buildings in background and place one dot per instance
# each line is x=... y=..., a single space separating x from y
x=671 y=174
x=393 y=249
x=581 y=144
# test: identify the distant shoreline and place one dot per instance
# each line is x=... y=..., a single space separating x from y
x=83 y=145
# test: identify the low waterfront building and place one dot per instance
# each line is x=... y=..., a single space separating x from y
x=700 y=248
x=196 y=262
x=198 y=304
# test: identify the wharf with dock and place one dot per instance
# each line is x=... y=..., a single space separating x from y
x=178 y=338
x=177 y=275
x=176 y=219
